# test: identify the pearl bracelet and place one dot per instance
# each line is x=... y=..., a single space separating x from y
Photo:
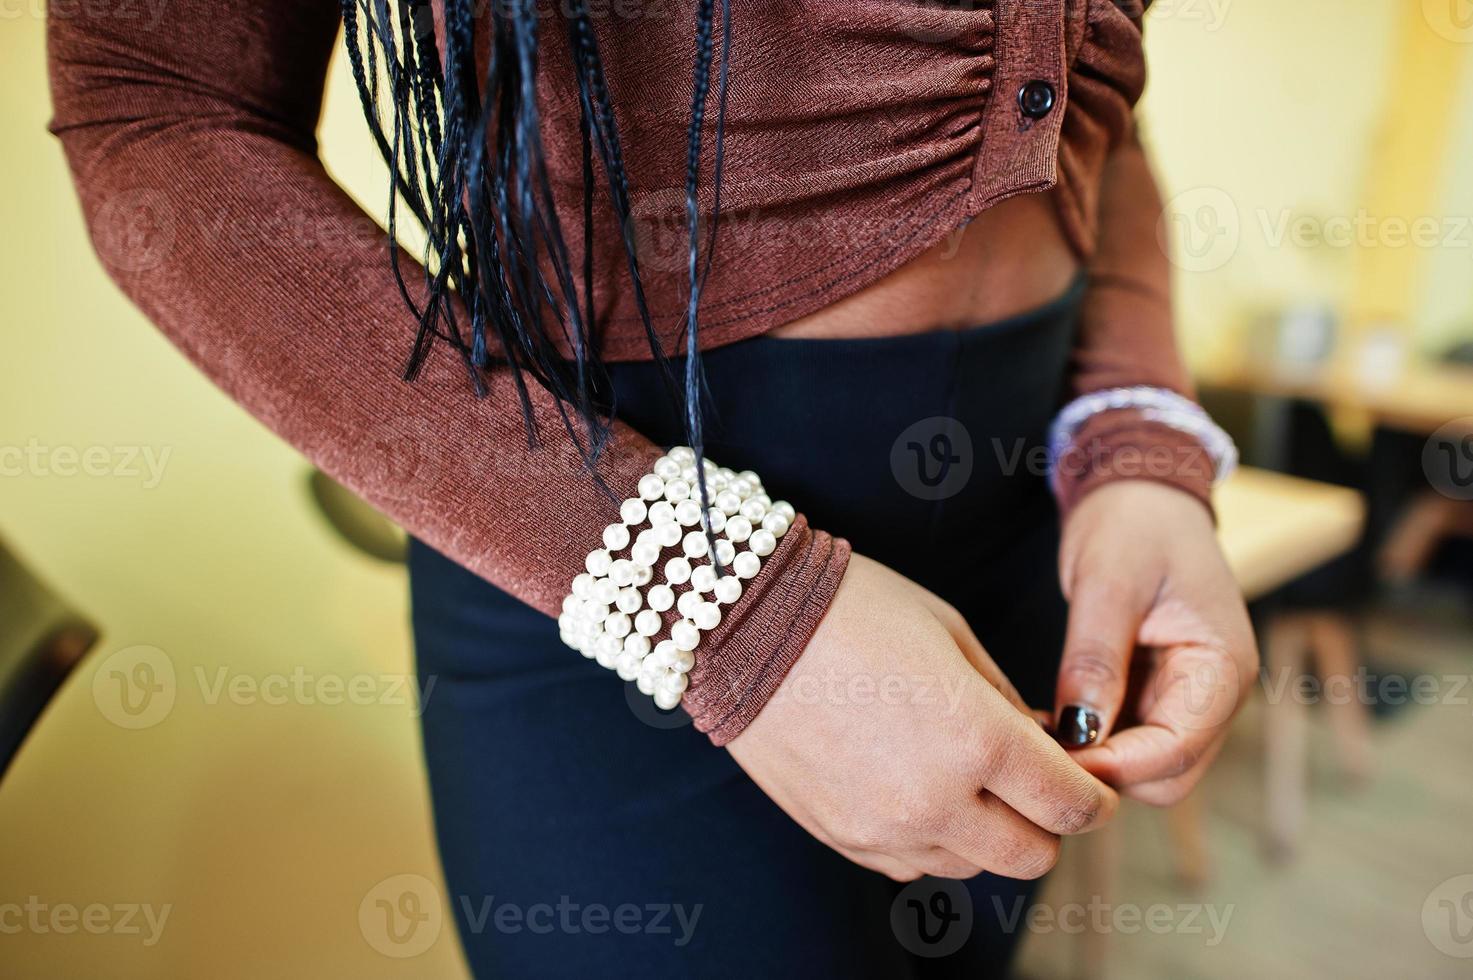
x=610 y=616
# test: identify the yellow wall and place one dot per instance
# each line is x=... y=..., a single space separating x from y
x=265 y=825
x=1260 y=111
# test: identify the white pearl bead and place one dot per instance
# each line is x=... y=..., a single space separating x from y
x=598 y=562
x=746 y=565
x=764 y=500
x=717 y=481
x=753 y=510
x=582 y=585
x=676 y=491
x=673 y=681
x=728 y=589
x=637 y=644
x=661 y=512
x=604 y=591
x=677 y=571
x=666 y=468
x=725 y=551
x=687 y=635
x=651 y=486
x=777 y=524
x=682 y=454
x=707 y=616
x=703 y=579
x=786 y=509
x=729 y=502
x=616 y=537
x=618 y=624
x=645 y=683
x=571 y=604
x=606 y=649
x=688 y=603
x=627 y=665
x=595 y=611
x=670 y=535
x=643 y=574
x=744 y=487
x=661 y=597
x=666 y=699
x=684 y=661
x=629 y=601
x=688 y=473
x=647 y=623
x=763 y=543
x=621 y=572
x=665 y=656
x=695 y=544
x=751 y=478
x=633 y=510
x=645 y=553
x=688 y=513
x=716 y=519
x=738 y=529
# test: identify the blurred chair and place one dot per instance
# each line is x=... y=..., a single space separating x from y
x=41 y=641
x=356 y=522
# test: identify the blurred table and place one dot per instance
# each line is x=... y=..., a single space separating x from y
x=1421 y=397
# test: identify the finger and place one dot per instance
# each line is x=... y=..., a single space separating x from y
x=1105 y=614
x=1170 y=792
x=971 y=647
x=892 y=868
x=938 y=862
x=992 y=836
x=1023 y=766
x=1193 y=696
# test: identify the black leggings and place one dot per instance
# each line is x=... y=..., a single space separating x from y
x=585 y=834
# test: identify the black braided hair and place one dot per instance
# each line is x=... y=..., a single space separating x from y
x=466 y=160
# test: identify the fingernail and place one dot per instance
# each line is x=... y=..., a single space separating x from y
x=1078 y=726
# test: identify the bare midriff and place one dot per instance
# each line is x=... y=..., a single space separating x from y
x=1011 y=258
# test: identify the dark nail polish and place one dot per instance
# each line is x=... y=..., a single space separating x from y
x=1078 y=726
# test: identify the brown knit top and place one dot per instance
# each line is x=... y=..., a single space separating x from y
x=858 y=134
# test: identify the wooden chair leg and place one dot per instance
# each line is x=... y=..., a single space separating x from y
x=1186 y=828
x=1333 y=647
x=1098 y=873
x=1285 y=647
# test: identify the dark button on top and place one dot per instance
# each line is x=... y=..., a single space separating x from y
x=1036 y=99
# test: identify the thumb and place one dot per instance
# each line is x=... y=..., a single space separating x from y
x=1104 y=621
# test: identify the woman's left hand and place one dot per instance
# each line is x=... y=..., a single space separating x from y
x=1159 y=648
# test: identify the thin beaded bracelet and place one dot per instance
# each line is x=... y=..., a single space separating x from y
x=1155 y=405
x=607 y=618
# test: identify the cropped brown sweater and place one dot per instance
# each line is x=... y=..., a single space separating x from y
x=858 y=134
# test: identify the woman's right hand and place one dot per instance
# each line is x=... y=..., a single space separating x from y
x=897 y=741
